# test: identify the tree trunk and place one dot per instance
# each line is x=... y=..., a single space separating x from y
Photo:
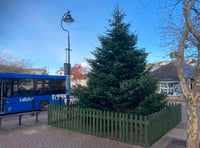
x=192 y=125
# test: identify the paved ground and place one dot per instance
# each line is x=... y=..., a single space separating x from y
x=173 y=139
x=176 y=138
x=40 y=135
x=43 y=136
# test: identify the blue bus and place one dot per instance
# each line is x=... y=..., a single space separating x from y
x=28 y=92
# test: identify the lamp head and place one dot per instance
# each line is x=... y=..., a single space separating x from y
x=68 y=18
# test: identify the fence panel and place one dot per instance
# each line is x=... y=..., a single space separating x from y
x=161 y=122
x=126 y=128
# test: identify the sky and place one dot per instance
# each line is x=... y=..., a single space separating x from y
x=31 y=29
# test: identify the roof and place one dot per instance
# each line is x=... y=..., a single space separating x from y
x=168 y=72
x=30 y=76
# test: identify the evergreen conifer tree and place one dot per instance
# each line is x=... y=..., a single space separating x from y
x=118 y=80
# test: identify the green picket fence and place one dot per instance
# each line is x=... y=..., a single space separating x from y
x=161 y=122
x=128 y=128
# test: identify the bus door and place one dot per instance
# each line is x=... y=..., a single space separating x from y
x=2 y=95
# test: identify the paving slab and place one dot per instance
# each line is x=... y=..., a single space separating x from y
x=177 y=133
x=44 y=136
x=176 y=143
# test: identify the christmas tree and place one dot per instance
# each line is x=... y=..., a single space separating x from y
x=118 y=79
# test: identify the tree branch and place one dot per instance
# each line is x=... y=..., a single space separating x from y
x=180 y=62
x=187 y=16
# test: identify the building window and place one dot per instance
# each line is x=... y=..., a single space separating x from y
x=169 y=88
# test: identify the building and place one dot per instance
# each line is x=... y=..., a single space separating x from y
x=60 y=72
x=168 y=80
x=37 y=71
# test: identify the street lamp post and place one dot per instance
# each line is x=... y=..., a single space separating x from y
x=67 y=66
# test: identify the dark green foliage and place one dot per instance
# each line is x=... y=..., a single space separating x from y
x=151 y=104
x=134 y=92
x=118 y=80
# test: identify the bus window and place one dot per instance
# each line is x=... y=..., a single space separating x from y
x=39 y=87
x=57 y=86
x=2 y=96
x=23 y=87
x=8 y=88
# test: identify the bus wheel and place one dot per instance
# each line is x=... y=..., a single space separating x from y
x=44 y=105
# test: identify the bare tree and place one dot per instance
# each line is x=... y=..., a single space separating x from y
x=11 y=64
x=183 y=33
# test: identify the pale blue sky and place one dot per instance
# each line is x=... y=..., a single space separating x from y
x=31 y=29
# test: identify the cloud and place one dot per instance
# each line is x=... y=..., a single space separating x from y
x=84 y=64
x=6 y=52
